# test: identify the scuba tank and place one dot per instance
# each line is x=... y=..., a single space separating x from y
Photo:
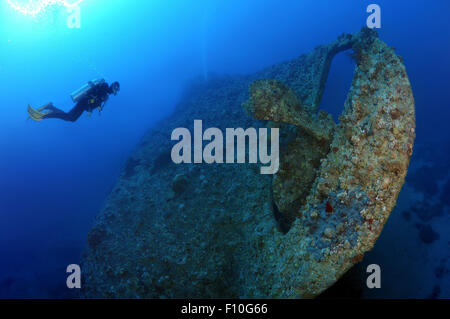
x=78 y=94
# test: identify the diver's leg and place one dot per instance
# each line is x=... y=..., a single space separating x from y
x=56 y=115
x=70 y=116
x=47 y=106
x=75 y=113
x=50 y=107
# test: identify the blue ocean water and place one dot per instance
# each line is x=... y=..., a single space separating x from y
x=56 y=175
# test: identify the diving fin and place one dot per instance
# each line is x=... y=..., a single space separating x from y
x=35 y=114
x=42 y=108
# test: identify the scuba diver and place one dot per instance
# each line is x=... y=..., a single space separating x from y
x=89 y=97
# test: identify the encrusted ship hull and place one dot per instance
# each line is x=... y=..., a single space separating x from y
x=211 y=230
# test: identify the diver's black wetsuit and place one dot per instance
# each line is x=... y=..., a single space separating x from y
x=94 y=98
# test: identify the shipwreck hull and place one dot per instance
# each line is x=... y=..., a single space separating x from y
x=215 y=230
